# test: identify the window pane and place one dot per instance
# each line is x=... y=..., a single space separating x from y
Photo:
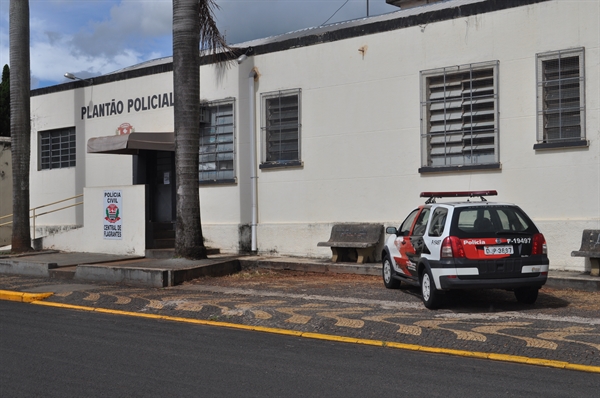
x=460 y=108
x=560 y=101
x=57 y=148
x=438 y=221
x=217 y=144
x=282 y=128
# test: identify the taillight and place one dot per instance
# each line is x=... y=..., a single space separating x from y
x=538 y=245
x=452 y=247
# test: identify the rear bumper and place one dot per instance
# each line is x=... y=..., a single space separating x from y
x=447 y=283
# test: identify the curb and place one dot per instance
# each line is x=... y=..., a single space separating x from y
x=340 y=339
x=23 y=297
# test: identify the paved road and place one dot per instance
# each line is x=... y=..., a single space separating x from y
x=563 y=325
x=56 y=352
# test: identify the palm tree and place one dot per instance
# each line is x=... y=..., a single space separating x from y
x=19 y=122
x=193 y=23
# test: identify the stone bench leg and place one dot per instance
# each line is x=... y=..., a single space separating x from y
x=595 y=271
x=335 y=254
x=364 y=255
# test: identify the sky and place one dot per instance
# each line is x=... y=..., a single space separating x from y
x=93 y=37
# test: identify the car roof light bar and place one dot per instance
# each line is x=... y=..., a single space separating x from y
x=457 y=194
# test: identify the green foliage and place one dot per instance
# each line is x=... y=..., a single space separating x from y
x=5 y=103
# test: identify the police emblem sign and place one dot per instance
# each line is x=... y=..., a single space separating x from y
x=113 y=214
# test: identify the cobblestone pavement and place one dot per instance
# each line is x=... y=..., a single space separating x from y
x=563 y=325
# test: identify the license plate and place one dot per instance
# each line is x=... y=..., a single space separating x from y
x=492 y=250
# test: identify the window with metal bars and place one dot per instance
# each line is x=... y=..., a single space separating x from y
x=281 y=128
x=560 y=96
x=459 y=116
x=57 y=149
x=217 y=148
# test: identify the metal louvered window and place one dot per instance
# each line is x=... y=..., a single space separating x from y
x=280 y=128
x=560 y=96
x=459 y=116
x=217 y=148
x=57 y=149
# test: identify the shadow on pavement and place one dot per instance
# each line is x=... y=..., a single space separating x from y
x=493 y=300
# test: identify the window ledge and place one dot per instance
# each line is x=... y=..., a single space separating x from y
x=218 y=182
x=445 y=169
x=562 y=145
x=279 y=165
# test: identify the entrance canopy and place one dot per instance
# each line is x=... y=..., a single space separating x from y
x=130 y=144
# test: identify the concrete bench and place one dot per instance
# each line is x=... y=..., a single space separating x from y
x=354 y=242
x=590 y=248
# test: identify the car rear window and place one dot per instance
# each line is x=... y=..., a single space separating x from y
x=485 y=220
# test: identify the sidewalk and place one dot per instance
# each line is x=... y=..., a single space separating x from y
x=164 y=272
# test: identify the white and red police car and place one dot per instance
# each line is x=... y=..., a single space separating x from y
x=466 y=245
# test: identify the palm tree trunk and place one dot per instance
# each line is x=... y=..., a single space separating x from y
x=20 y=126
x=186 y=88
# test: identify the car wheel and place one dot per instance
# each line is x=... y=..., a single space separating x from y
x=526 y=295
x=431 y=297
x=388 y=273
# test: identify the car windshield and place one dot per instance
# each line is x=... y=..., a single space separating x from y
x=494 y=220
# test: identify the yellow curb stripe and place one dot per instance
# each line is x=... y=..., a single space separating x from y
x=286 y=332
x=342 y=339
x=402 y=346
x=23 y=297
x=582 y=368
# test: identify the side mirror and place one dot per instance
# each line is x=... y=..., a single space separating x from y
x=391 y=231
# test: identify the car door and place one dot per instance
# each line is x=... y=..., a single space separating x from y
x=417 y=245
x=410 y=234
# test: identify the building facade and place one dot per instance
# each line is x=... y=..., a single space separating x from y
x=5 y=191
x=342 y=123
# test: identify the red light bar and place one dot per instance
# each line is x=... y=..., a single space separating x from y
x=456 y=194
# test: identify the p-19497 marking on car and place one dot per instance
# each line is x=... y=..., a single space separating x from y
x=466 y=245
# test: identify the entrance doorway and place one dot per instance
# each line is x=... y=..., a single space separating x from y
x=156 y=169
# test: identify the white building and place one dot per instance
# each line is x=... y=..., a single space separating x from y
x=453 y=95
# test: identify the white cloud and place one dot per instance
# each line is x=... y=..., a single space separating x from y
x=132 y=24
x=130 y=32
x=50 y=62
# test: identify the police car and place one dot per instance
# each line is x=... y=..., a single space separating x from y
x=469 y=244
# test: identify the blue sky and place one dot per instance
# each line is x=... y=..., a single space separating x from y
x=93 y=37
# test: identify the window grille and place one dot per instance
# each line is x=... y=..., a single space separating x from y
x=281 y=127
x=217 y=152
x=560 y=94
x=57 y=148
x=459 y=117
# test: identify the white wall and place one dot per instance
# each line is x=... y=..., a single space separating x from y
x=5 y=190
x=90 y=238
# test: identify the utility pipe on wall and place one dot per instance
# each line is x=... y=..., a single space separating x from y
x=253 y=177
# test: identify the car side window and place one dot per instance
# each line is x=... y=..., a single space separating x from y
x=407 y=224
x=438 y=221
x=421 y=223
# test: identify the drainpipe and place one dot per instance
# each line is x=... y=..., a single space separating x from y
x=253 y=177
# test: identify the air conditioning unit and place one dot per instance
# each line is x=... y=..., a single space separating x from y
x=204 y=115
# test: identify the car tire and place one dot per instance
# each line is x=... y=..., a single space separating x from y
x=387 y=271
x=431 y=296
x=526 y=295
